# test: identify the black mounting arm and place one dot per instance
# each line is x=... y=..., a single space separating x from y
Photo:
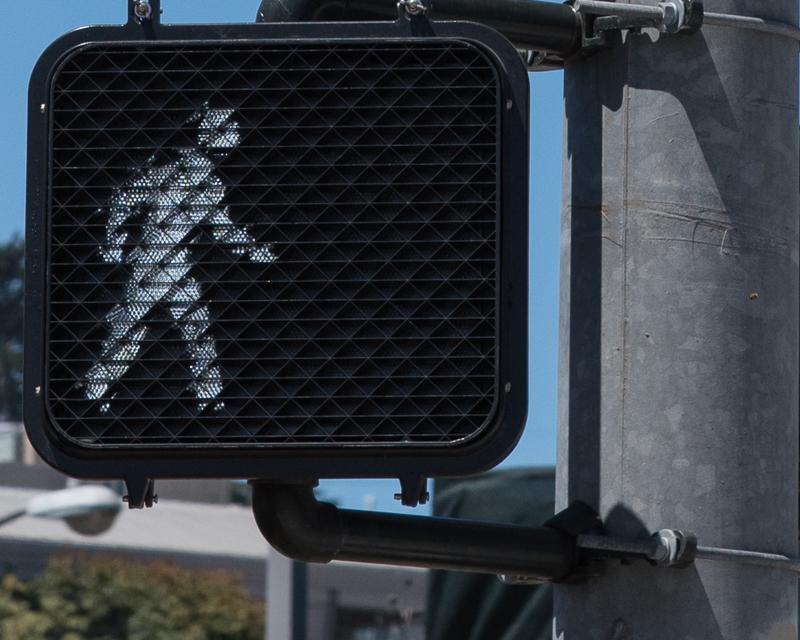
x=547 y=33
x=544 y=26
x=297 y=525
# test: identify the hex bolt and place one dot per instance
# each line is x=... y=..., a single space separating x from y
x=142 y=9
x=674 y=15
x=413 y=7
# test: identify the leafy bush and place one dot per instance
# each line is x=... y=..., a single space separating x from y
x=82 y=597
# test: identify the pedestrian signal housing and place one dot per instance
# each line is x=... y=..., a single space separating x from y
x=277 y=250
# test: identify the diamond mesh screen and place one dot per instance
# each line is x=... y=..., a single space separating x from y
x=268 y=245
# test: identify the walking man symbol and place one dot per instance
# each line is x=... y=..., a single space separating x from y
x=173 y=199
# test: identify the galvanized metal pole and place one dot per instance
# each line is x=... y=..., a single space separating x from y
x=678 y=403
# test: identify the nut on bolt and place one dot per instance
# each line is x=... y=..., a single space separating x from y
x=142 y=9
x=413 y=7
x=674 y=548
x=674 y=15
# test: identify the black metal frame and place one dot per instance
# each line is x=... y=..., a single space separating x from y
x=411 y=464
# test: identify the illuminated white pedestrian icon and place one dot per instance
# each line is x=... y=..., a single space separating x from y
x=173 y=199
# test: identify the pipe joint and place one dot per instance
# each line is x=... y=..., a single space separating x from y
x=293 y=522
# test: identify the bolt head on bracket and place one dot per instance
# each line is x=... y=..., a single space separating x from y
x=674 y=16
x=676 y=549
x=412 y=7
x=143 y=9
x=681 y=16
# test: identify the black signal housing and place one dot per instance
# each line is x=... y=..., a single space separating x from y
x=284 y=251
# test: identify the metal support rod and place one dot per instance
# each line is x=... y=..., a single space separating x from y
x=752 y=558
x=634 y=12
x=668 y=547
x=754 y=24
x=297 y=525
x=627 y=547
x=654 y=548
x=544 y=26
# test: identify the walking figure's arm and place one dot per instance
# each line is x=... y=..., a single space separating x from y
x=224 y=230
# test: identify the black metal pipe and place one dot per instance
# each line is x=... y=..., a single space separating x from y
x=297 y=525
x=543 y=26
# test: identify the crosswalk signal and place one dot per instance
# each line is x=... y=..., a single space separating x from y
x=277 y=250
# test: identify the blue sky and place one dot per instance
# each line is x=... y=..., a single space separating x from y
x=28 y=27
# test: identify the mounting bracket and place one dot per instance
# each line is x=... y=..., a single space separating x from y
x=141 y=493
x=297 y=525
x=599 y=18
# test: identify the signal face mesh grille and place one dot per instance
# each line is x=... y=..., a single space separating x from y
x=268 y=245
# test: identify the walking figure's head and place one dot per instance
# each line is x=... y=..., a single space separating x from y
x=217 y=131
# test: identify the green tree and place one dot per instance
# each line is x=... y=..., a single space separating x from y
x=12 y=271
x=80 y=597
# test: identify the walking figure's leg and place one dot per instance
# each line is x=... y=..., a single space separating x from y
x=119 y=351
x=194 y=321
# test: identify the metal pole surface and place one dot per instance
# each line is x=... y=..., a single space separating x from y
x=678 y=403
x=287 y=596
